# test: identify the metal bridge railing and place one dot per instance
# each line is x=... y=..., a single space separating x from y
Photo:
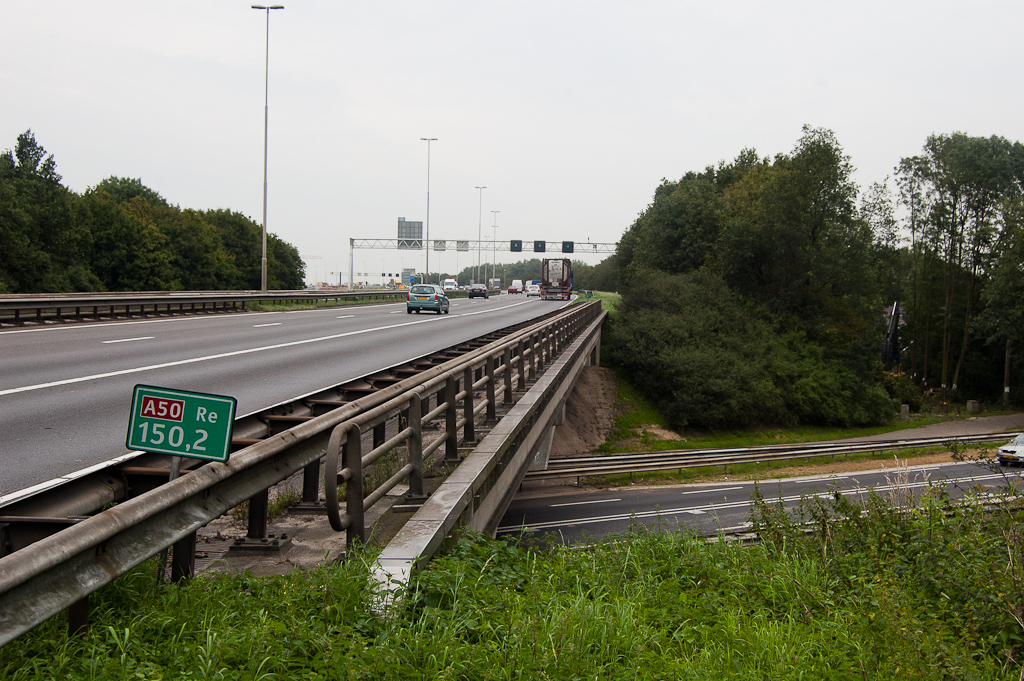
x=507 y=366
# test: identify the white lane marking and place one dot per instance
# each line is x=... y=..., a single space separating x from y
x=260 y=326
x=711 y=491
x=583 y=503
x=345 y=316
x=396 y=312
x=129 y=340
x=222 y=355
x=493 y=309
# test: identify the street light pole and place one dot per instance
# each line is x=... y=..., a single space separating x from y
x=493 y=238
x=479 y=231
x=266 y=121
x=426 y=274
x=494 y=258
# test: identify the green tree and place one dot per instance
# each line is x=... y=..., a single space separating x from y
x=243 y=242
x=967 y=179
x=285 y=269
x=1003 y=317
x=124 y=189
x=129 y=252
x=793 y=241
x=44 y=247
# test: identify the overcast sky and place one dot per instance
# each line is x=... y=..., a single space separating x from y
x=569 y=112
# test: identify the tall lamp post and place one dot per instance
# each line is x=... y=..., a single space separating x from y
x=426 y=274
x=266 y=119
x=479 y=231
x=494 y=257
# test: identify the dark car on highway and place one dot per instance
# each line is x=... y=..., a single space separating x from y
x=478 y=291
x=427 y=297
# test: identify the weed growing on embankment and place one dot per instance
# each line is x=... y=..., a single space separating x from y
x=876 y=592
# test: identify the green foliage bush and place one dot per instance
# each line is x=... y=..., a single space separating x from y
x=903 y=390
x=710 y=360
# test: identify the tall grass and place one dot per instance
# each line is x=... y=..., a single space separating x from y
x=877 y=591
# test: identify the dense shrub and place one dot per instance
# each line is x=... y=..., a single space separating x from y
x=710 y=360
x=903 y=390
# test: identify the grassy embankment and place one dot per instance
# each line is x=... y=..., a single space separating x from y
x=884 y=594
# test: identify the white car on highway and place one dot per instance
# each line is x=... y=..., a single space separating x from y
x=1012 y=451
x=532 y=290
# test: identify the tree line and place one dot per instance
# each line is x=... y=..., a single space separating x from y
x=756 y=291
x=123 y=236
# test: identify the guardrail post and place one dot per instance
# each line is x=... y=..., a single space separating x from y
x=311 y=483
x=258 y=515
x=415 y=448
x=521 y=365
x=507 y=361
x=492 y=412
x=451 y=422
x=469 y=428
x=183 y=559
x=78 y=616
x=535 y=346
x=378 y=434
x=352 y=459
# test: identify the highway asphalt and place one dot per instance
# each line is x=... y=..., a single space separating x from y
x=65 y=391
x=573 y=516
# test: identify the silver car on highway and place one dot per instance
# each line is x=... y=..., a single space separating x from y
x=427 y=297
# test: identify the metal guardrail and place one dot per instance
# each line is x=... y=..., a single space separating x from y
x=507 y=363
x=39 y=308
x=61 y=570
x=475 y=497
x=681 y=458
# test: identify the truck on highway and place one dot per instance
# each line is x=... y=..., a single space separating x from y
x=555 y=279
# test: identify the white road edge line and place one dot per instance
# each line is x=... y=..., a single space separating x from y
x=129 y=340
x=583 y=503
x=711 y=491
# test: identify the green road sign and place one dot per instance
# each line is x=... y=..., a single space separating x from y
x=181 y=423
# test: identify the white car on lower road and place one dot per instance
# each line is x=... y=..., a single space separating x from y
x=1012 y=451
x=532 y=290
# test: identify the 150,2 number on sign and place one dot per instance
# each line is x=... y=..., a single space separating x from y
x=196 y=425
